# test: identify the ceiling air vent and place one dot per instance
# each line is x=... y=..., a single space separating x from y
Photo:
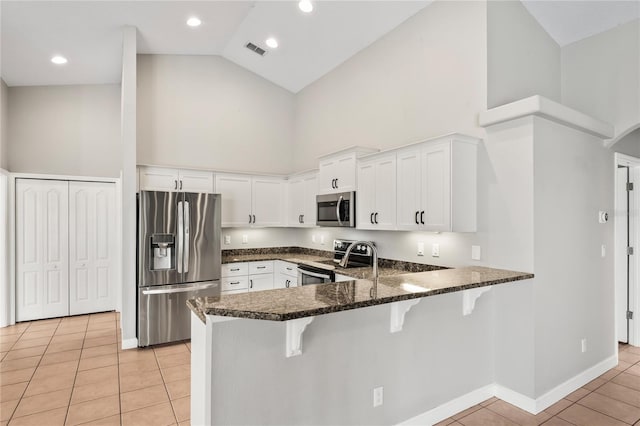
x=260 y=51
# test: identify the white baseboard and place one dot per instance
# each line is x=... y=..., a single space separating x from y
x=533 y=406
x=129 y=343
x=452 y=407
x=564 y=389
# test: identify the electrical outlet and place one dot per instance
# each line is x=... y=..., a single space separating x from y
x=227 y=239
x=245 y=239
x=322 y=239
x=584 y=345
x=377 y=396
x=603 y=251
x=435 y=250
x=475 y=252
x=420 y=249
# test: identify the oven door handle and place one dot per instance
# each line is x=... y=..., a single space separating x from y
x=147 y=291
x=313 y=274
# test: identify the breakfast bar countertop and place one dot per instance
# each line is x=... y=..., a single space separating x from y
x=319 y=299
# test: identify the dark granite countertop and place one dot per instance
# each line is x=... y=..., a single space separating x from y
x=312 y=300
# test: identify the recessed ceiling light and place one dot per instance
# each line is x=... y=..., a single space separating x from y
x=272 y=42
x=59 y=60
x=305 y=5
x=194 y=22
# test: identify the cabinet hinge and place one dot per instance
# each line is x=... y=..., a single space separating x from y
x=629 y=251
x=629 y=186
x=629 y=315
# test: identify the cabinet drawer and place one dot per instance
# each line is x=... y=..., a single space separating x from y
x=235 y=283
x=261 y=267
x=235 y=269
x=287 y=268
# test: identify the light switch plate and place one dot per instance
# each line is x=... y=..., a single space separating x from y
x=321 y=239
x=313 y=238
x=420 y=249
x=245 y=239
x=435 y=250
x=475 y=253
x=227 y=239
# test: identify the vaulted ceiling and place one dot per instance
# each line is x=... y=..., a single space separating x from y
x=88 y=33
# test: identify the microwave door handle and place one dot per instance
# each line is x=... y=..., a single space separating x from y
x=313 y=274
x=338 y=211
x=180 y=236
x=187 y=238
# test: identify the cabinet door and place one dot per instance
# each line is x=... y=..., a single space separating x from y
x=42 y=262
x=284 y=281
x=327 y=176
x=409 y=189
x=268 y=204
x=196 y=181
x=385 y=193
x=236 y=199
x=309 y=201
x=260 y=282
x=159 y=179
x=365 y=197
x=295 y=203
x=346 y=173
x=436 y=186
x=92 y=246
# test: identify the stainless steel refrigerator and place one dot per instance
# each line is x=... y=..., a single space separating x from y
x=178 y=259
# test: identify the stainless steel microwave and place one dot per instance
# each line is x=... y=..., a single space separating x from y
x=336 y=209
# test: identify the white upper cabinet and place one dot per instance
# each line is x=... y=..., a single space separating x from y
x=42 y=255
x=301 y=210
x=376 y=196
x=251 y=201
x=437 y=185
x=338 y=171
x=164 y=179
x=92 y=247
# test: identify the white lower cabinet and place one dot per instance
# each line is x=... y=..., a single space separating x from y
x=286 y=275
x=65 y=248
x=259 y=282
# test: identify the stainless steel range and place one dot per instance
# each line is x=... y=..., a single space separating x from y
x=324 y=272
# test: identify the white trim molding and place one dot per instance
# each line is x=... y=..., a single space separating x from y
x=533 y=406
x=398 y=312
x=129 y=343
x=469 y=298
x=295 y=328
x=546 y=108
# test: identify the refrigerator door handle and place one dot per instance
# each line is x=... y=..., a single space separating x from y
x=187 y=238
x=180 y=236
x=182 y=289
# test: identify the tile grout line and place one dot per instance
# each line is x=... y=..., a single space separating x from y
x=73 y=385
x=118 y=344
x=29 y=381
x=164 y=383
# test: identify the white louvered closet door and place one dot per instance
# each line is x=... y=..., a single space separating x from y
x=92 y=246
x=42 y=263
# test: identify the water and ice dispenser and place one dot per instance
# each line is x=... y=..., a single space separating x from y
x=163 y=248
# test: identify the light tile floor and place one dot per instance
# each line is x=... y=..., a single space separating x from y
x=70 y=371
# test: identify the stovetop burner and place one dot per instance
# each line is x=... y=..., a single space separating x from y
x=360 y=255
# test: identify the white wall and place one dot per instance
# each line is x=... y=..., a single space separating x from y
x=601 y=76
x=260 y=237
x=206 y=112
x=574 y=286
x=4 y=125
x=629 y=144
x=425 y=78
x=72 y=130
x=522 y=59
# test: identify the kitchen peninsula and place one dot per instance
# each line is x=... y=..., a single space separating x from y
x=358 y=335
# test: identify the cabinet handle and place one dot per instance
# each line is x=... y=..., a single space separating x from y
x=371 y=218
x=180 y=185
x=175 y=184
x=422 y=217
x=235 y=283
x=417 y=213
x=254 y=218
x=234 y=269
x=333 y=183
x=336 y=183
x=260 y=267
x=249 y=218
x=299 y=218
x=289 y=269
x=250 y=283
x=302 y=216
x=287 y=284
x=375 y=218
